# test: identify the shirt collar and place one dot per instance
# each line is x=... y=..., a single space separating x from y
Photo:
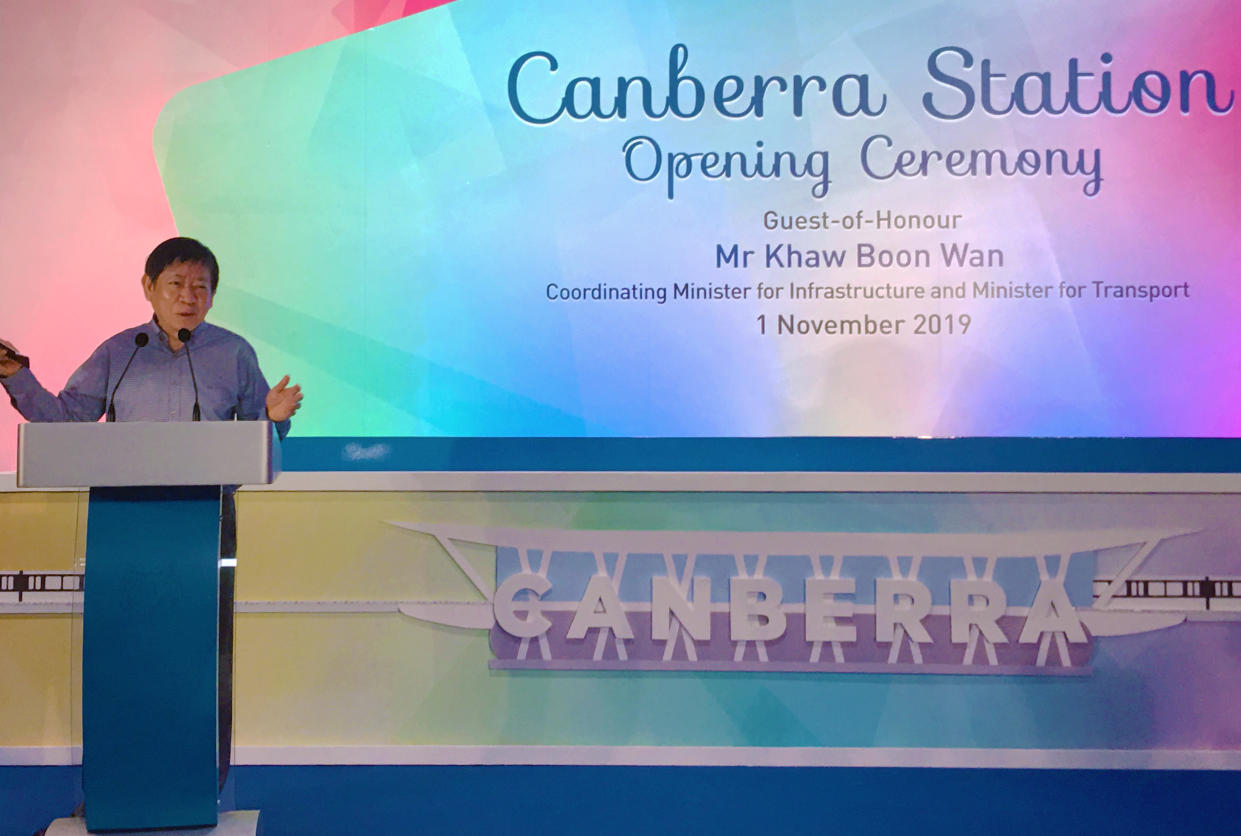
x=153 y=330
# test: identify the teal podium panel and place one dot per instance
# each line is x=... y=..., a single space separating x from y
x=149 y=658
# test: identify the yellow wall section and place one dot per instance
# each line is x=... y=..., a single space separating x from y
x=40 y=680
x=301 y=678
x=354 y=678
x=43 y=532
x=40 y=655
x=321 y=545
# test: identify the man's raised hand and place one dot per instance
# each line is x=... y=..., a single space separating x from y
x=8 y=363
x=283 y=400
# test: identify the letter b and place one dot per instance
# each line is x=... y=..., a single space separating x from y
x=754 y=612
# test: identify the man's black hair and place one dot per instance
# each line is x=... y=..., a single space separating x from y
x=182 y=249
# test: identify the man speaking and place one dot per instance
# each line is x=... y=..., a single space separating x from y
x=176 y=367
x=182 y=362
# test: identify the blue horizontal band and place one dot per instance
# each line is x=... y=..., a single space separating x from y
x=761 y=455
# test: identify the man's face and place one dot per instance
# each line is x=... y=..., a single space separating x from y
x=180 y=295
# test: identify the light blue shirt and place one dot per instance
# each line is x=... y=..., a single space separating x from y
x=157 y=386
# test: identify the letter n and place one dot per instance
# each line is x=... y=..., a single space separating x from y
x=667 y=601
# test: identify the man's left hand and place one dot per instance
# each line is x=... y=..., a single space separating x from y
x=283 y=400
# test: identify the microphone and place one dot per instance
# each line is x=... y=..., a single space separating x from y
x=184 y=336
x=140 y=339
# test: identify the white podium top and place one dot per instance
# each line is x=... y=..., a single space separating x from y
x=130 y=454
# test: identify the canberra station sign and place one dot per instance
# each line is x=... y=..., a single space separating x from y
x=681 y=626
x=975 y=603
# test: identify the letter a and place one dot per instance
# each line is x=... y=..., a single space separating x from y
x=600 y=607
x=1052 y=612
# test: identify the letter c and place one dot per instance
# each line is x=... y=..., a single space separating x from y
x=535 y=623
x=513 y=100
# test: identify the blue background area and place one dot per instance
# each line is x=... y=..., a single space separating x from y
x=849 y=454
x=308 y=801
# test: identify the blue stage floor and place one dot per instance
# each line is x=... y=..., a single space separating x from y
x=513 y=801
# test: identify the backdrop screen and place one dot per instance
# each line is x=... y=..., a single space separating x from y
x=658 y=218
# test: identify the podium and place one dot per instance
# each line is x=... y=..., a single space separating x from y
x=150 y=643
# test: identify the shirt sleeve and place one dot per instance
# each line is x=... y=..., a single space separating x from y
x=252 y=399
x=83 y=398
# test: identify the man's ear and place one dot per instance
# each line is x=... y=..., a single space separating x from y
x=148 y=286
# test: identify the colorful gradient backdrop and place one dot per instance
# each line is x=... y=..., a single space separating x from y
x=387 y=224
x=81 y=86
x=397 y=225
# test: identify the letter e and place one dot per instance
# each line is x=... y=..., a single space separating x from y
x=822 y=610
